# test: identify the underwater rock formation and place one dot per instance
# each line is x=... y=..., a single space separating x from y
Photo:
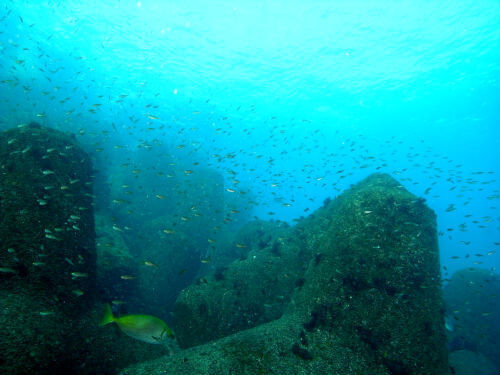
x=49 y=312
x=176 y=241
x=244 y=294
x=176 y=259
x=165 y=228
x=47 y=253
x=46 y=216
x=369 y=299
x=114 y=260
x=254 y=235
x=473 y=313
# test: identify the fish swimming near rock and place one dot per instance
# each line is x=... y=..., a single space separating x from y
x=146 y=328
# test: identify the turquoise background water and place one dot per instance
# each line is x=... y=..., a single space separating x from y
x=288 y=92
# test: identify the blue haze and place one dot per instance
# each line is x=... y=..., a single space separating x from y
x=318 y=86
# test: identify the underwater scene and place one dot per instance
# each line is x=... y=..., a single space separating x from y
x=250 y=187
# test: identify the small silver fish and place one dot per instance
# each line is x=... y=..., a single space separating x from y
x=46 y=313
x=6 y=270
x=52 y=237
x=76 y=275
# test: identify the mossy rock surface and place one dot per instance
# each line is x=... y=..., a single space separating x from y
x=242 y=295
x=36 y=338
x=375 y=279
x=48 y=308
x=370 y=301
x=46 y=216
x=248 y=292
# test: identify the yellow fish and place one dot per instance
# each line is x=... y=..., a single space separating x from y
x=146 y=328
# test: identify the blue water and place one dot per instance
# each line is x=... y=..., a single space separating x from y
x=318 y=87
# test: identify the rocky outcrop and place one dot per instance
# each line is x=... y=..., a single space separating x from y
x=244 y=294
x=48 y=306
x=368 y=299
x=46 y=221
x=474 y=312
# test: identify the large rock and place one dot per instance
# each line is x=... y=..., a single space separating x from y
x=369 y=302
x=47 y=251
x=244 y=294
x=176 y=212
x=474 y=311
x=60 y=342
x=48 y=309
x=46 y=217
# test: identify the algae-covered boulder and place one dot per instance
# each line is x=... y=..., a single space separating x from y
x=375 y=279
x=369 y=303
x=48 y=309
x=242 y=295
x=46 y=216
x=47 y=253
x=34 y=340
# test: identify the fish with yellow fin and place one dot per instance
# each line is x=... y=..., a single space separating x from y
x=146 y=328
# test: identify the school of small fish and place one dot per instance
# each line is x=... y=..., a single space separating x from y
x=278 y=173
